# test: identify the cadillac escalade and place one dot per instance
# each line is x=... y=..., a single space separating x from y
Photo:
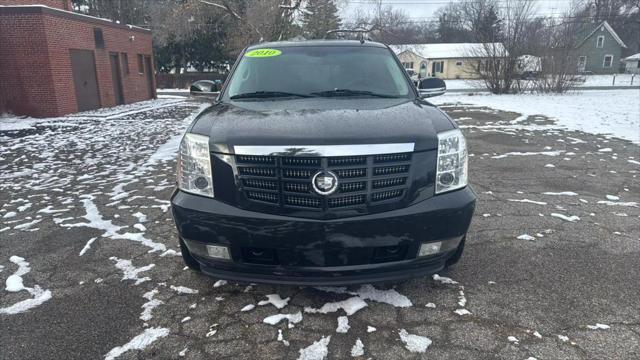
x=319 y=163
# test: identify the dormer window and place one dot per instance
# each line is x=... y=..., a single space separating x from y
x=600 y=41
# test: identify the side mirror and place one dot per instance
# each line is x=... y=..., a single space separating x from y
x=205 y=87
x=430 y=87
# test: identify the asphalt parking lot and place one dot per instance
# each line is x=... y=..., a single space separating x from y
x=550 y=271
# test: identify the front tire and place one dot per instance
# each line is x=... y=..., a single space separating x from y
x=457 y=254
x=189 y=260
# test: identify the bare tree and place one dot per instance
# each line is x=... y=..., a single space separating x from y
x=267 y=20
x=504 y=41
x=559 y=64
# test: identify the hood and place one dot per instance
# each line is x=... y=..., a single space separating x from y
x=322 y=121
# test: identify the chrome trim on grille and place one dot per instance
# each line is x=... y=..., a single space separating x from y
x=323 y=150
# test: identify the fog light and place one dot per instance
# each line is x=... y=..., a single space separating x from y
x=201 y=183
x=430 y=248
x=218 y=252
x=447 y=179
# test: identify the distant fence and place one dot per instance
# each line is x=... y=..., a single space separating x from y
x=183 y=81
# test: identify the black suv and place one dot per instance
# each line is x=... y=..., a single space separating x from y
x=320 y=164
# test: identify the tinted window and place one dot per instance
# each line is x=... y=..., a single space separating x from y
x=309 y=69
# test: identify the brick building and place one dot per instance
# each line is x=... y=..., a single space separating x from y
x=54 y=61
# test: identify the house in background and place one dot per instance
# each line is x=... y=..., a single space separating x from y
x=54 y=61
x=600 y=51
x=445 y=61
x=632 y=64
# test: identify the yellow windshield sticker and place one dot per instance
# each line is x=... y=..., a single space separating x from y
x=260 y=53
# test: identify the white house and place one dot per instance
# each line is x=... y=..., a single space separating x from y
x=446 y=61
x=632 y=64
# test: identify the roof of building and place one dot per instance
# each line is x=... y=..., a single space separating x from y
x=41 y=9
x=613 y=33
x=449 y=51
x=633 y=57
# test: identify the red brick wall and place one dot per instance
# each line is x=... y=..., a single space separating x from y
x=26 y=85
x=116 y=40
x=59 y=4
x=39 y=63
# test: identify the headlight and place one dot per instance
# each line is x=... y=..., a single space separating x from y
x=194 y=165
x=452 y=161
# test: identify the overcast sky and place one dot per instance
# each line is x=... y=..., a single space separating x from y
x=423 y=10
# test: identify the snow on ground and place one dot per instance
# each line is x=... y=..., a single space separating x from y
x=131 y=272
x=350 y=306
x=591 y=80
x=139 y=342
x=276 y=319
x=275 y=300
x=357 y=349
x=343 y=324
x=316 y=351
x=414 y=343
x=368 y=292
x=151 y=304
x=610 y=112
x=598 y=327
x=15 y=283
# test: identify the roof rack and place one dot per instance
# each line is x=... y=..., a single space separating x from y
x=362 y=33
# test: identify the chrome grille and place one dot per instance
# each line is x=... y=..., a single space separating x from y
x=346 y=201
x=385 y=195
x=390 y=182
x=284 y=182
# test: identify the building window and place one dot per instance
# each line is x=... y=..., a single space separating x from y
x=140 y=64
x=582 y=63
x=458 y=63
x=437 y=67
x=408 y=65
x=98 y=37
x=125 y=63
x=600 y=41
x=608 y=61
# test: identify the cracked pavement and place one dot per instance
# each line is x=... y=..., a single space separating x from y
x=526 y=296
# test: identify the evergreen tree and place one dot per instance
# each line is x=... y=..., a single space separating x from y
x=320 y=16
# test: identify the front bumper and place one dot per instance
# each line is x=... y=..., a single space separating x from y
x=370 y=248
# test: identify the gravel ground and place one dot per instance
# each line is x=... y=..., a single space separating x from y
x=567 y=290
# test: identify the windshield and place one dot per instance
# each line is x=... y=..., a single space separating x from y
x=304 y=71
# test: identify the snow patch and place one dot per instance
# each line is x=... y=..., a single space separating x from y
x=316 y=351
x=462 y=312
x=15 y=283
x=275 y=300
x=139 y=342
x=277 y=318
x=350 y=306
x=598 y=327
x=414 y=343
x=183 y=289
x=444 y=279
x=528 y=201
x=96 y=221
x=343 y=324
x=571 y=218
x=529 y=153
x=131 y=272
x=87 y=246
x=220 y=283
x=149 y=305
x=357 y=349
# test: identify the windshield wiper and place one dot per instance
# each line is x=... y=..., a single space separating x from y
x=349 y=92
x=267 y=94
